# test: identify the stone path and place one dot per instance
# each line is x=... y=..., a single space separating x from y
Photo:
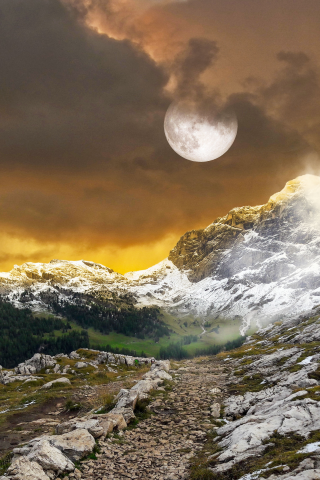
x=160 y=447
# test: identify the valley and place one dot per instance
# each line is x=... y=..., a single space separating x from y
x=247 y=413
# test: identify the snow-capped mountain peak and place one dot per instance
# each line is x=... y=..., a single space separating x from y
x=259 y=263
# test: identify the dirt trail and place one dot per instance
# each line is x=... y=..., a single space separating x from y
x=161 y=446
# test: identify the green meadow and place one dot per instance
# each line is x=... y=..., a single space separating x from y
x=218 y=332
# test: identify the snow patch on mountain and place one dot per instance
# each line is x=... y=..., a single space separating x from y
x=256 y=264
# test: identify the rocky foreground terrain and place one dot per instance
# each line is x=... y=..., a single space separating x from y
x=250 y=413
x=255 y=264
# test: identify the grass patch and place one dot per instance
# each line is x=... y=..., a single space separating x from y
x=5 y=463
x=93 y=454
x=315 y=375
x=251 y=383
x=199 y=468
x=108 y=403
x=72 y=406
x=118 y=439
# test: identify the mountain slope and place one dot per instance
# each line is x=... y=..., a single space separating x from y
x=259 y=263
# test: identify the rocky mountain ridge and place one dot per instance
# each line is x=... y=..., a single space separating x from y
x=254 y=263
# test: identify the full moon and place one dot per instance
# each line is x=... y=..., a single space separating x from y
x=197 y=135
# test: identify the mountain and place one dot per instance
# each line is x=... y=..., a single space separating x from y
x=256 y=263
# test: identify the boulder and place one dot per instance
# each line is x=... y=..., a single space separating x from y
x=7 y=379
x=143 y=387
x=24 y=469
x=74 y=355
x=126 y=399
x=126 y=413
x=65 y=427
x=35 y=364
x=161 y=364
x=81 y=365
x=75 y=444
x=102 y=358
x=122 y=360
x=129 y=361
x=215 y=410
x=92 y=426
x=56 y=368
x=50 y=457
x=62 y=381
x=157 y=373
x=105 y=423
x=117 y=420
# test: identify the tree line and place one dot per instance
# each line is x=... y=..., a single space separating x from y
x=105 y=317
x=22 y=335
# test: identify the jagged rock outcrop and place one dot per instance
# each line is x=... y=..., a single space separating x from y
x=49 y=457
x=35 y=364
x=256 y=262
x=281 y=398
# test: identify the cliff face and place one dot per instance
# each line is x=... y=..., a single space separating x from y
x=279 y=233
x=201 y=251
x=256 y=262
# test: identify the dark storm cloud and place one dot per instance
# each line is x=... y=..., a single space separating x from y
x=68 y=95
x=199 y=54
x=294 y=95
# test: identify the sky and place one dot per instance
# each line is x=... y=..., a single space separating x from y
x=86 y=171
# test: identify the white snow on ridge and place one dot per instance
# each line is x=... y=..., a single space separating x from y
x=270 y=271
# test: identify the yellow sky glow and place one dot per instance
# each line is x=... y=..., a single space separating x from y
x=121 y=260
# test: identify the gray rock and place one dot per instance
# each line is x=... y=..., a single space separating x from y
x=310 y=333
x=269 y=363
x=143 y=387
x=92 y=426
x=74 y=355
x=156 y=373
x=215 y=410
x=35 y=364
x=75 y=444
x=81 y=365
x=215 y=390
x=298 y=379
x=126 y=399
x=62 y=381
x=50 y=457
x=24 y=469
x=285 y=416
x=239 y=404
x=7 y=379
